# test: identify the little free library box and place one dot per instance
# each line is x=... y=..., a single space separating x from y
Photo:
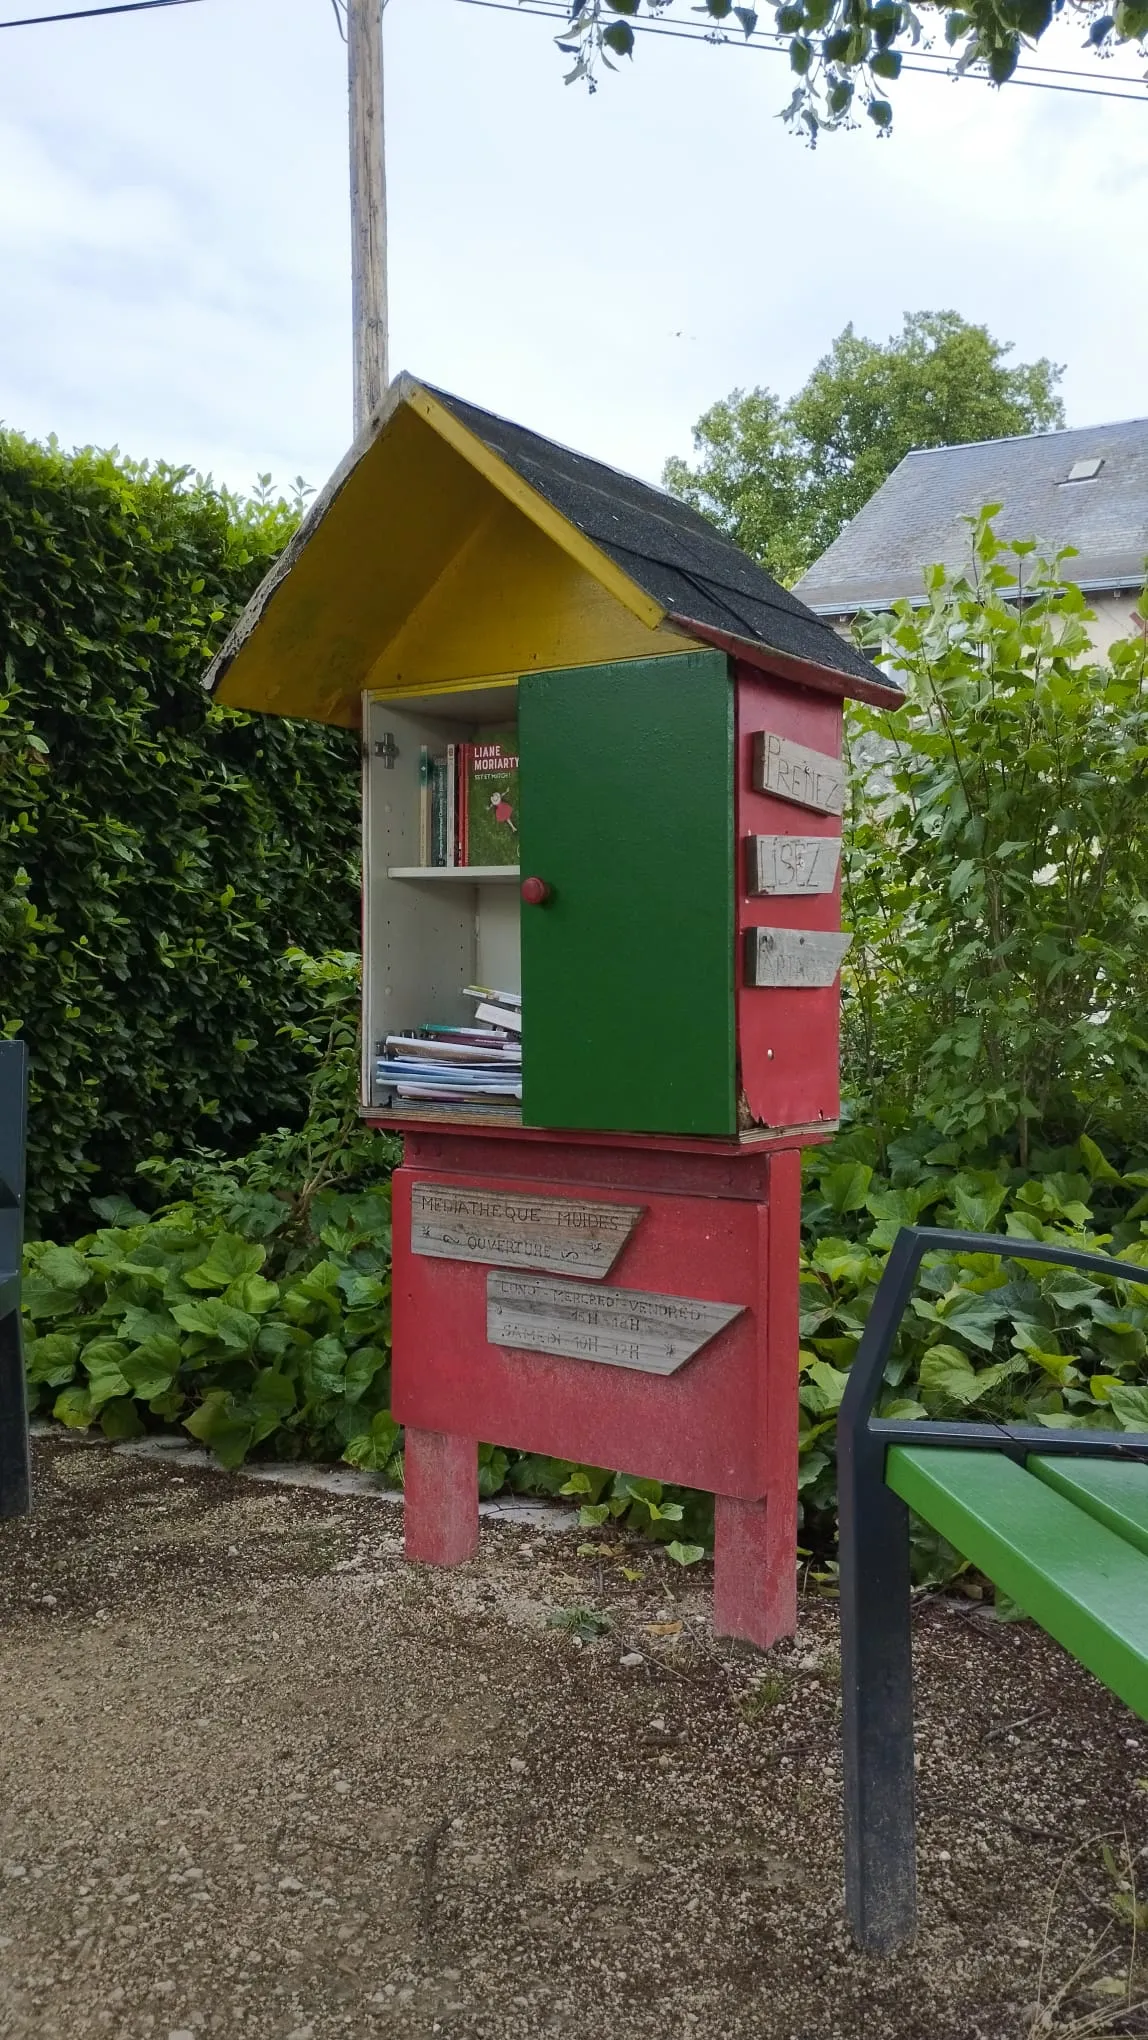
x=602 y=810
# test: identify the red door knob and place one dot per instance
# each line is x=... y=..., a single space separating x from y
x=535 y=892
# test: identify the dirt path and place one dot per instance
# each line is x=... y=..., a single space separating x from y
x=261 y=1779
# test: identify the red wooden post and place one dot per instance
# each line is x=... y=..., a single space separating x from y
x=755 y=1540
x=441 y=1497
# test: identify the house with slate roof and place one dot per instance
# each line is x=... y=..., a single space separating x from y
x=1086 y=488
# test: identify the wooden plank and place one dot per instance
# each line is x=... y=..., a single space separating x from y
x=1114 y=1491
x=508 y=1230
x=616 y=1327
x=793 y=772
x=793 y=956
x=465 y=874
x=791 y=866
x=1086 y=1587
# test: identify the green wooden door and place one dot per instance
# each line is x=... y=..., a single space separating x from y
x=626 y=796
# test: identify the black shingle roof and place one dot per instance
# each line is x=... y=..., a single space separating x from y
x=667 y=548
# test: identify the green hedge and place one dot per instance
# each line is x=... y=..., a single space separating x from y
x=157 y=856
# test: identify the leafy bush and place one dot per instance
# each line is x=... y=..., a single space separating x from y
x=255 y=1307
x=1001 y=1338
x=996 y=867
x=158 y=856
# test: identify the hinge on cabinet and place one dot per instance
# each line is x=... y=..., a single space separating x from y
x=387 y=750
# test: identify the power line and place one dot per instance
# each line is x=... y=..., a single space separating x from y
x=923 y=61
x=88 y=13
x=1040 y=77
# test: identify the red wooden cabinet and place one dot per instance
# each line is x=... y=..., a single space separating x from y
x=602 y=777
x=670 y=809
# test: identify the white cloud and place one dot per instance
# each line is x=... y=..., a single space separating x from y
x=174 y=246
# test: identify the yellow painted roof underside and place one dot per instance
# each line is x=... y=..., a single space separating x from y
x=430 y=561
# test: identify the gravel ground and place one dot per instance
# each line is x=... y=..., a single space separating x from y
x=262 y=1779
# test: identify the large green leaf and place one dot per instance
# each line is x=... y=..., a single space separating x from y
x=118 y=1211
x=74 y=1408
x=214 y=1319
x=252 y=1293
x=1130 y=1407
x=362 y=1292
x=52 y=1359
x=151 y=1368
x=103 y=1361
x=362 y=1366
x=946 y=1376
x=121 y=1419
x=325 y=1367
x=229 y=1259
x=223 y=1426
x=41 y=1299
x=64 y=1268
x=373 y=1447
x=139 y=1325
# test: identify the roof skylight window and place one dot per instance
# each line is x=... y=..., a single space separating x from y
x=1084 y=471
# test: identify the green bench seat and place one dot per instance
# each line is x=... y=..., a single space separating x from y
x=1067 y=1540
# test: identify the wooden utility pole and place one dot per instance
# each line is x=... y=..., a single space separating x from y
x=368 y=205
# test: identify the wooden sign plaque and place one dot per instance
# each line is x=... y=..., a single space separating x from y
x=793 y=772
x=616 y=1327
x=793 y=956
x=790 y=866
x=569 y=1234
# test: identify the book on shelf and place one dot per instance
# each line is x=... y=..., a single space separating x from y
x=497 y=1009
x=501 y=1016
x=438 y=808
x=452 y=857
x=426 y=843
x=491 y=801
x=448 y=1065
x=492 y=996
x=468 y=803
x=461 y=1051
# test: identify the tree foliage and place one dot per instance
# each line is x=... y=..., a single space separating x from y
x=998 y=890
x=158 y=855
x=783 y=479
x=845 y=54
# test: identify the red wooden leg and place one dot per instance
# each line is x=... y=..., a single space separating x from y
x=440 y=1525
x=755 y=1570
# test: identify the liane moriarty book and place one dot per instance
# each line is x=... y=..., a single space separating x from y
x=492 y=799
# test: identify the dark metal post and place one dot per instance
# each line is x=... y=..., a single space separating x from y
x=15 y=1477
x=876 y=1655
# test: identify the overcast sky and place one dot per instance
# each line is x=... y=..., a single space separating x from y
x=174 y=244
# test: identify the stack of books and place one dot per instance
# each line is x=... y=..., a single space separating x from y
x=479 y=1065
x=468 y=802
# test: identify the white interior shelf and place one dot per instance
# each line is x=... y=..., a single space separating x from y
x=467 y=874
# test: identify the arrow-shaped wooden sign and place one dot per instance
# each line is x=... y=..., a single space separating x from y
x=508 y=1229
x=616 y=1327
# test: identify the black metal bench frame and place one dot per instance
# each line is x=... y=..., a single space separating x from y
x=15 y=1481
x=876 y=1658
